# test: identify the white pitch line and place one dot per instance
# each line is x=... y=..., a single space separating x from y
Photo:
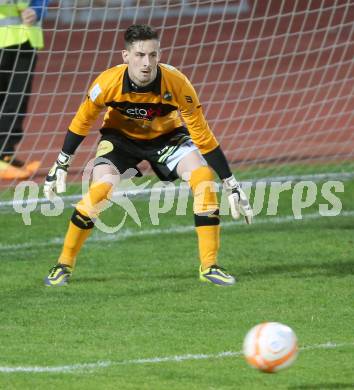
x=167 y=359
x=125 y=234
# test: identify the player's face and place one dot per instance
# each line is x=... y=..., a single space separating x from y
x=142 y=58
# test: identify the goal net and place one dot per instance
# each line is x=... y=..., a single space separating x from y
x=275 y=77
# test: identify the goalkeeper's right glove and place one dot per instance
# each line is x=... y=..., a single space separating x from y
x=238 y=201
x=56 y=178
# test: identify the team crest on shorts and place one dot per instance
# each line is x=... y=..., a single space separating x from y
x=104 y=147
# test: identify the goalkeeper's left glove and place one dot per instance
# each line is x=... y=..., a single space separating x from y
x=56 y=178
x=238 y=201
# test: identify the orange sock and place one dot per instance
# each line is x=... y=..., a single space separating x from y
x=74 y=239
x=206 y=215
x=82 y=222
x=208 y=243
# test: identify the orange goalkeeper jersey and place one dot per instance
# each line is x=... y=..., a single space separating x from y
x=145 y=115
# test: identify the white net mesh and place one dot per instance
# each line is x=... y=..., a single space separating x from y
x=275 y=78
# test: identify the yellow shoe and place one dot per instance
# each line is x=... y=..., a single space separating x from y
x=58 y=276
x=10 y=172
x=217 y=275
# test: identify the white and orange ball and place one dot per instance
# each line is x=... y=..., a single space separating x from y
x=270 y=346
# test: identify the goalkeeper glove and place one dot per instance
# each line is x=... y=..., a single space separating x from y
x=238 y=201
x=56 y=178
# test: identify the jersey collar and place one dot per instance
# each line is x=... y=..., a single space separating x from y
x=129 y=86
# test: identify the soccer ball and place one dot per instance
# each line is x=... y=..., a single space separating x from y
x=270 y=346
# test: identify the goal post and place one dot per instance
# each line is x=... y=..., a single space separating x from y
x=275 y=78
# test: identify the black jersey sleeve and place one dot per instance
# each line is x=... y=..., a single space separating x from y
x=71 y=142
x=217 y=160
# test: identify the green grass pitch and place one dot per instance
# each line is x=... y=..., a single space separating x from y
x=135 y=315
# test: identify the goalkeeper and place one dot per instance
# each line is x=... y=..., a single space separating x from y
x=146 y=102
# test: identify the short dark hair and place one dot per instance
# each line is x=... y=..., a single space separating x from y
x=139 y=32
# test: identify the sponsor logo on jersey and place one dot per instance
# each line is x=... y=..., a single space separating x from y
x=146 y=111
x=142 y=113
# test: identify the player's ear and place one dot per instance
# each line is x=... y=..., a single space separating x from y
x=125 y=56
